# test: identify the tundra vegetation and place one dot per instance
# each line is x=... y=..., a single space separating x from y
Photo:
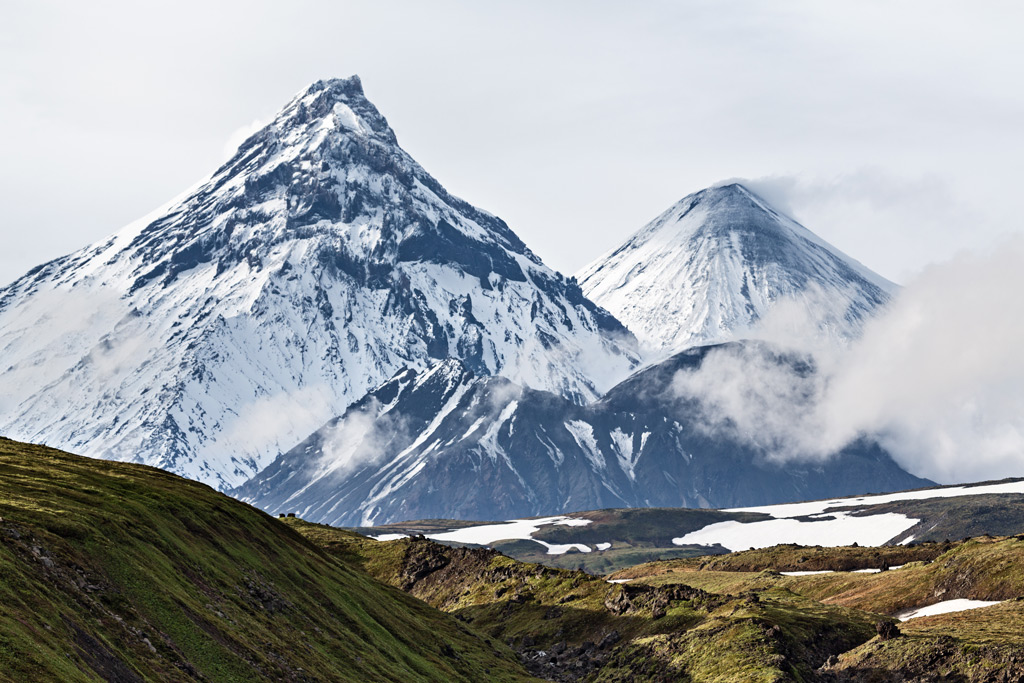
x=121 y=572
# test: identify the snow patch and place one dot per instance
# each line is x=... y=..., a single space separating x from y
x=840 y=530
x=583 y=433
x=822 y=506
x=945 y=607
x=348 y=118
x=516 y=529
x=623 y=443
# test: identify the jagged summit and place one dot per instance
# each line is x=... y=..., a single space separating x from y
x=715 y=262
x=332 y=106
x=338 y=87
x=317 y=262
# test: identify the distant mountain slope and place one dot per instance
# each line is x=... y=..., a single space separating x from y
x=893 y=528
x=448 y=444
x=117 y=572
x=717 y=261
x=312 y=266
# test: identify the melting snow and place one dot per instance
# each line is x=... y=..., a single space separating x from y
x=583 y=433
x=516 y=529
x=558 y=549
x=821 y=506
x=825 y=527
x=829 y=571
x=944 y=607
x=841 y=529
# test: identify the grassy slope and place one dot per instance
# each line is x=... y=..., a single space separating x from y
x=664 y=634
x=113 y=571
x=787 y=558
x=977 y=645
x=982 y=568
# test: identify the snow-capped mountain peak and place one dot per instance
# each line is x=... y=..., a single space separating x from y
x=715 y=262
x=316 y=263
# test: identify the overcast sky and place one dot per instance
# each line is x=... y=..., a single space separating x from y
x=894 y=130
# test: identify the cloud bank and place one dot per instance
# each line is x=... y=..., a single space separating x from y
x=937 y=378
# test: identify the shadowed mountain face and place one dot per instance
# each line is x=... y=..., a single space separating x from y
x=448 y=444
x=321 y=259
x=716 y=262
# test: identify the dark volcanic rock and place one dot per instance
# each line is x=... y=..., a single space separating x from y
x=447 y=444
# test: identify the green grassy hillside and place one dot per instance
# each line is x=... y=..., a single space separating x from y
x=972 y=646
x=727 y=618
x=572 y=626
x=119 y=572
x=984 y=568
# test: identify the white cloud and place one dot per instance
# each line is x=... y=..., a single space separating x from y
x=938 y=377
x=903 y=222
x=282 y=418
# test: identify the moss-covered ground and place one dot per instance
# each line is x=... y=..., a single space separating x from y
x=125 y=573
x=112 y=571
x=569 y=625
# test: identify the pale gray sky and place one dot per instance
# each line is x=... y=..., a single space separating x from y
x=894 y=130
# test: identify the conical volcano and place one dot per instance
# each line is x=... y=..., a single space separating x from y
x=716 y=262
x=320 y=260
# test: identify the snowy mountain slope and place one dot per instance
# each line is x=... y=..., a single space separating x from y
x=863 y=519
x=715 y=262
x=871 y=520
x=446 y=444
x=312 y=266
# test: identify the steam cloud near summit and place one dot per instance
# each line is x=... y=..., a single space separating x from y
x=938 y=377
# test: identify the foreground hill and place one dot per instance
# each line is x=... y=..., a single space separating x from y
x=971 y=594
x=570 y=626
x=116 y=572
x=447 y=443
x=733 y=617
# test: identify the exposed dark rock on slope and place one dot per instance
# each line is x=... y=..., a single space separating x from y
x=448 y=444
